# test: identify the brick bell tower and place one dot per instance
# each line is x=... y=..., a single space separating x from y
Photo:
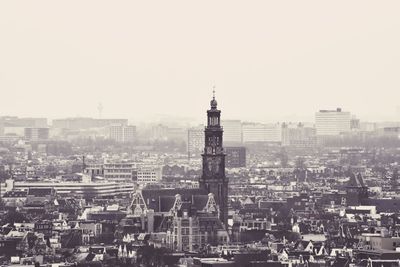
x=213 y=178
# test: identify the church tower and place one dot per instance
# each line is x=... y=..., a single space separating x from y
x=213 y=178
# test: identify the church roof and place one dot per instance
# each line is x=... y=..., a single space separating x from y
x=162 y=200
x=356 y=180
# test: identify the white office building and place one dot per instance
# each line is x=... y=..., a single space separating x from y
x=257 y=132
x=232 y=131
x=332 y=122
x=118 y=171
x=149 y=175
x=122 y=133
x=195 y=141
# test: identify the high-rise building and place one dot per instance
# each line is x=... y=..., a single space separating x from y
x=235 y=157
x=122 y=133
x=332 y=122
x=36 y=134
x=195 y=141
x=213 y=178
x=257 y=132
x=232 y=131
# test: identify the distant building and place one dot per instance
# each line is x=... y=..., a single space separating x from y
x=158 y=132
x=298 y=135
x=232 y=131
x=257 y=132
x=235 y=157
x=9 y=138
x=176 y=134
x=389 y=131
x=94 y=169
x=86 y=123
x=13 y=130
x=87 y=190
x=332 y=122
x=355 y=124
x=195 y=141
x=161 y=132
x=36 y=134
x=149 y=175
x=122 y=133
x=12 y=121
x=118 y=171
x=367 y=126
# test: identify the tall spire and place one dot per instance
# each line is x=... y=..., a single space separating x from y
x=213 y=178
x=213 y=102
x=214 y=92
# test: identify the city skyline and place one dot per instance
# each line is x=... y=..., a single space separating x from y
x=276 y=62
x=192 y=134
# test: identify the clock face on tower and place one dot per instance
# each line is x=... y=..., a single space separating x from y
x=217 y=164
x=213 y=141
x=214 y=166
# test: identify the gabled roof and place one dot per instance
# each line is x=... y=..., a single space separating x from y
x=356 y=180
x=165 y=203
x=162 y=200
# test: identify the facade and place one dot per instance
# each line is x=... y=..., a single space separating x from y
x=149 y=175
x=298 y=135
x=86 y=190
x=213 y=178
x=36 y=134
x=122 y=133
x=94 y=169
x=235 y=157
x=257 y=132
x=185 y=233
x=332 y=122
x=118 y=171
x=232 y=131
x=189 y=217
x=195 y=141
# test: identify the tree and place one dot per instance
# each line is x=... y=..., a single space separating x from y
x=14 y=217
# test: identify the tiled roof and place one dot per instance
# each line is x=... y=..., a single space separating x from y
x=162 y=200
x=356 y=180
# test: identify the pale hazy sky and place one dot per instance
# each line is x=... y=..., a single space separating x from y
x=269 y=60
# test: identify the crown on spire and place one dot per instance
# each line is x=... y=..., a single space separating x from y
x=213 y=102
